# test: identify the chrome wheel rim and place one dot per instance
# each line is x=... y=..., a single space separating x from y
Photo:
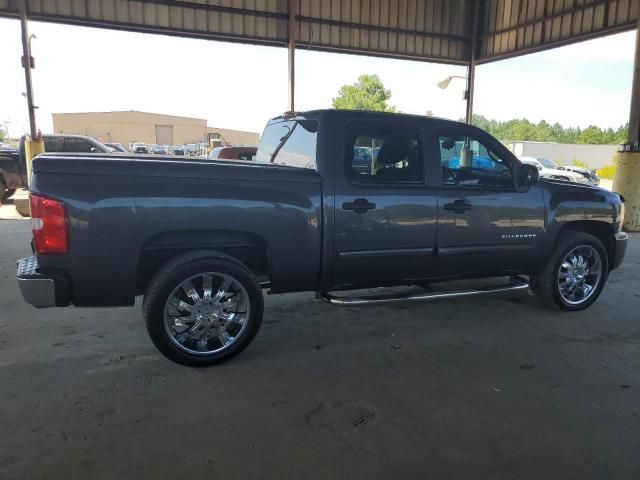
x=579 y=274
x=207 y=313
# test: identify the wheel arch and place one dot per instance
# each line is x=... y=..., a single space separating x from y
x=603 y=231
x=248 y=248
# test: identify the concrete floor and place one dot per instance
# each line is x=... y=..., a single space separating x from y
x=485 y=388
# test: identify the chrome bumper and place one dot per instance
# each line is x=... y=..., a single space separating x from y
x=38 y=289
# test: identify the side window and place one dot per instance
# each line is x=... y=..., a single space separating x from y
x=51 y=144
x=77 y=145
x=381 y=155
x=467 y=161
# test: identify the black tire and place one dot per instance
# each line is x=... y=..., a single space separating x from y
x=173 y=274
x=545 y=283
x=4 y=191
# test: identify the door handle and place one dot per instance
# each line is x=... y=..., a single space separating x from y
x=359 y=205
x=459 y=206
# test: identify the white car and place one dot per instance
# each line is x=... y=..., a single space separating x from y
x=590 y=175
x=549 y=169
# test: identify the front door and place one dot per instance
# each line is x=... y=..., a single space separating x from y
x=485 y=225
x=385 y=216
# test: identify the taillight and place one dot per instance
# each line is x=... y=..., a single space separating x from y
x=49 y=225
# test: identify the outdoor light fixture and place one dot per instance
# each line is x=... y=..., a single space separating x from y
x=445 y=83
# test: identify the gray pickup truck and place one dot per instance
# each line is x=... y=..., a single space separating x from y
x=335 y=201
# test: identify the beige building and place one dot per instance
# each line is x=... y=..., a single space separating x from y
x=131 y=126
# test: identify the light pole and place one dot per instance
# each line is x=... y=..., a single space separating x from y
x=27 y=64
x=466 y=96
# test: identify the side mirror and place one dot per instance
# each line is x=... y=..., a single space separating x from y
x=528 y=175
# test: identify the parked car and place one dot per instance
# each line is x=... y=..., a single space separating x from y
x=158 y=150
x=177 y=150
x=550 y=169
x=73 y=143
x=193 y=149
x=13 y=170
x=233 y=153
x=200 y=240
x=590 y=176
x=117 y=147
x=139 y=147
x=13 y=173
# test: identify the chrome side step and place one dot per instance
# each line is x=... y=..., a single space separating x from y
x=516 y=283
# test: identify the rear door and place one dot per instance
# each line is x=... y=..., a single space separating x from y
x=385 y=215
x=485 y=225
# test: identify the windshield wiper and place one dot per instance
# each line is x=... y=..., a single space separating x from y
x=283 y=140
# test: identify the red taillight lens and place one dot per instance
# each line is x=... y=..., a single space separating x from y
x=49 y=225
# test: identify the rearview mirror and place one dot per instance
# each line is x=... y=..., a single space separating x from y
x=528 y=175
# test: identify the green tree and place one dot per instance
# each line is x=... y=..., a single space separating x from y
x=543 y=132
x=523 y=129
x=592 y=135
x=4 y=131
x=368 y=93
x=621 y=134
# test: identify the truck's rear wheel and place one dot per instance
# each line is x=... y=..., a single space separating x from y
x=575 y=274
x=203 y=308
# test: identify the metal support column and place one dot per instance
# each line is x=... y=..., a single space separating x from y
x=27 y=64
x=633 y=136
x=471 y=69
x=293 y=27
x=471 y=73
x=626 y=180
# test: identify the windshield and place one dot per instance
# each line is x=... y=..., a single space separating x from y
x=289 y=142
x=548 y=163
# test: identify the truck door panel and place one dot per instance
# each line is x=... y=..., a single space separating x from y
x=385 y=216
x=485 y=226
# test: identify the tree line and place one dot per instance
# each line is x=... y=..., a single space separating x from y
x=368 y=93
x=523 y=129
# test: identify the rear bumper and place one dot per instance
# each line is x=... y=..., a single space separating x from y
x=41 y=290
x=619 y=249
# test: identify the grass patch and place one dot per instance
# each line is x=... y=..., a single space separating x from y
x=607 y=172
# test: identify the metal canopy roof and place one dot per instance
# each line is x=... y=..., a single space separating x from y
x=429 y=30
x=516 y=27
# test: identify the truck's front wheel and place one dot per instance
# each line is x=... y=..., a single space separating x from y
x=203 y=308
x=574 y=275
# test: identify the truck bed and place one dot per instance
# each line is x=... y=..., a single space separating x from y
x=125 y=213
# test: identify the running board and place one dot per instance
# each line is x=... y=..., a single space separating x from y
x=517 y=283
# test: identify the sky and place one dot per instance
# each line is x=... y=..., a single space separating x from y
x=236 y=86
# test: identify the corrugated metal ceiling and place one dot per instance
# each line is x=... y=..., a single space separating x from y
x=516 y=27
x=431 y=30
